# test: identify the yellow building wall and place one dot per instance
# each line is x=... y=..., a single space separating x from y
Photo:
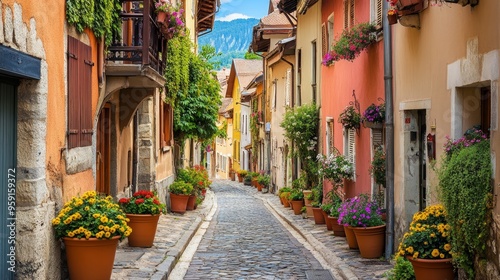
x=236 y=125
x=225 y=148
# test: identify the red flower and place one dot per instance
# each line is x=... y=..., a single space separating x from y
x=139 y=201
x=123 y=200
x=148 y=196
x=156 y=202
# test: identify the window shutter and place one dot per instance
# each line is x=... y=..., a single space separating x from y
x=378 y=12
x=351 y=14
x=351 y=148
x=86 y=95
x=288 y=88
x=73 y=94
x=346 y=13
x=324 y=39
x=377 y=138
x=329 y=137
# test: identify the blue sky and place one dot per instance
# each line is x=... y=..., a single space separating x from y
x=234 y=9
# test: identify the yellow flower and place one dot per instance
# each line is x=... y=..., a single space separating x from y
x=435 y=253
x=100 y=227
x=96 y=215
x=415 y=255
x=86 y=208
x=104 y=219
x=107 y=234
x=433 y=235
x=56 y=221
x=71 y=234
x=441 y=255
x=68 y=221
x=426 y=243
x=112 y=230
x=106 y=228
x=447 y=247
x=409 y=250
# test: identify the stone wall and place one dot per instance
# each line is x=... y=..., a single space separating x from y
x=34 y=206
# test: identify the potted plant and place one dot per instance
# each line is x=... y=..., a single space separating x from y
x=350 y=118
x=264 y=181
x=90 y=226
x=283 y=194
x=374 y=116
x=247 y=181
x=427 y=244
x=179 y=195
x=254 y=178
x=362 y=216
x=333 y=216
x=335 y=167
x=326 y=208
x=170 y=18
x=143 y=210
x=241 y=174
x=297 y=200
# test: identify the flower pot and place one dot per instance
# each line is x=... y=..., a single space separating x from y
x=143 y=229
x=328 y=222
x=371 y=241
x=254 y=182
x=90 y=258
x=259 y=187
x=286 y=203
x=281 y=200
x=319 y=219
x=178 y=203
x=350 y=237
x=393 y=19
x=240 y=178
x=191 y=202
x=432 y=269
x=338 y=230
x=161 y=16
x=307 y=202
x=297 y=206
x=375 y=124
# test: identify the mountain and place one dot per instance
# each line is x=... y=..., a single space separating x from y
x=230 y=38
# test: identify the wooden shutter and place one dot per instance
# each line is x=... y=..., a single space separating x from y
x=86 y=96
x=79 y=94
x=350 y=147
x=324 y=39
x=351 y=13
x=288 y=86
x=377 y=137
x=346 y=13
x=73 y=94
x=329 y=136
x=378 y=12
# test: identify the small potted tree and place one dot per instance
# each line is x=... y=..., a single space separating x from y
x=179 y=195
x=297 y=200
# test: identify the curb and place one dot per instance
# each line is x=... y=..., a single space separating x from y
x=172 y=256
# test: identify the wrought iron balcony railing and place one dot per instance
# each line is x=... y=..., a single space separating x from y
x=141 y=41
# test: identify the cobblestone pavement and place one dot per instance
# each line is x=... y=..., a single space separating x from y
x=245 y=241
x=173 y=234
x=348 y=263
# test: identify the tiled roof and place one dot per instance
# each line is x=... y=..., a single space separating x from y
x=226 y=102
x=275 y=19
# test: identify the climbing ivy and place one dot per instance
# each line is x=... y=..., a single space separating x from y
x=101 y=16
x=177 y=74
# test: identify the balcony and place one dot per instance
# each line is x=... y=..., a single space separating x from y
x=137 y=59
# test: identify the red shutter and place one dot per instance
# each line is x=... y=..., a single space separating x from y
x=73 y=94
x=86 y=95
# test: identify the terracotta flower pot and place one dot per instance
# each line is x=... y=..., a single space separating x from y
x=297 y=206
x=191 y=202
x=161 y=16
x=240 y=178
x=90 y=258
x=143 y=229
x=328 y=222
x=350 y=237
x=319 y=219
x=371 y=241
x=432 y=269
x=178 y=203
x=309 y=211
x=338 y=230
x=307 y=202
x=259 y=187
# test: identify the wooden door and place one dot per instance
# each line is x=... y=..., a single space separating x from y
x=103 y=150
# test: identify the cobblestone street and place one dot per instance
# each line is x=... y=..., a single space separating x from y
x=245 y=241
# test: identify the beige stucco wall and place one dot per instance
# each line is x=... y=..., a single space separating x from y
x=455 y=47
x=225 y=148
x=309 y=30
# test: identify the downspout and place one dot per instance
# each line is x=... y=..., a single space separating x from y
x=389 y=133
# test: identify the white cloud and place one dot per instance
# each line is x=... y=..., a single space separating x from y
x=233 y=16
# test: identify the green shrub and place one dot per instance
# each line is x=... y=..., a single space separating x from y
x=402 y=270
x=296 y=194
x=181 y=187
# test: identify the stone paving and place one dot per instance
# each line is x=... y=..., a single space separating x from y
x=173 y=234
x=245 y=241
x=348 y=263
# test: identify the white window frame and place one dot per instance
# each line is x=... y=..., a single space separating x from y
x=350 y=148
x=330 y=35
x=376 y=11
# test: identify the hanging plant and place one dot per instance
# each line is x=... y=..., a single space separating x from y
x=351 y=43
x=350 y=118
x=374 y=113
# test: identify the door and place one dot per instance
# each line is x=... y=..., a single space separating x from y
x=422 y=128
x=8 y=133
x=103 y=150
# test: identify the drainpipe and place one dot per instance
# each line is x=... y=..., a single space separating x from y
x=389 y=133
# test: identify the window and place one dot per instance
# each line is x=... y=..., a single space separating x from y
x=329 y=136
x=350 y=147
x=348 y=14
x=376 y=12
x=324 y=39
x=275 y=94
x=165 y=124
x=79 y=94
x=299 y=76
x=330 y=34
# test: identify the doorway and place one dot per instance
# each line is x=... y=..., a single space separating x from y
x=103 y=151
x=8 y=139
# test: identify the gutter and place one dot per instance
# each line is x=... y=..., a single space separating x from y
x=389 y=133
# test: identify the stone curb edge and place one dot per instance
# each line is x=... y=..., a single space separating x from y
x=172 y=256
